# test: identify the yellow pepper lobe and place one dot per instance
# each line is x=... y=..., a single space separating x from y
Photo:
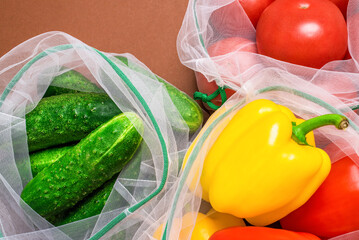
x=194 y=175
x=255 y=170
x=204 y=225
x=308 y=191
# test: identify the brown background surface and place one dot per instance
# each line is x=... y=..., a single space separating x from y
x=145 y=28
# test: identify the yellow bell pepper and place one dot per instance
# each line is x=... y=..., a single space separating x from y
x=195 y=173
x=261 y=166
x=205 y=225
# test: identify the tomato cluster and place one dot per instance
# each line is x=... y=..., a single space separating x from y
x=305 y=32
x=310 y=33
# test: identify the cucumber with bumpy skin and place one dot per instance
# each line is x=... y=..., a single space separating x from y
x=94 y=203
x=42 y=159
x=91 y=162
x=190 y=111
x=71 y=82
x=90 y=206
x=67 y=118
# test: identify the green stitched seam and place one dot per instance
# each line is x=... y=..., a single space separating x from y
x=308 y=97
x=197 y=26
x=119 y=218
x=18 y=76
x=189 y=164
x=133 y=208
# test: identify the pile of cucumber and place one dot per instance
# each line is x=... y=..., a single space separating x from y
x=79 y=142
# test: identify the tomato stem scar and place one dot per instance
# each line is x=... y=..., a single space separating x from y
x=304 y=5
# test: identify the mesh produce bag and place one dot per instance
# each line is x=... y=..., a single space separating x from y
x=307 y=92
x=232 y=68
x=305 y=101
x=143 y=190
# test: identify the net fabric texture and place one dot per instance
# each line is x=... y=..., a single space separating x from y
x=304 y=102
x=308 y=92
x=138 y=200
x=198 y=34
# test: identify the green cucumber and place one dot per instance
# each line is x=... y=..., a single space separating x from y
x=90 y=206
x=71 y=82
x=93 y=204
x=42 y=159
x=67 y=118
x=91 y=162
x=191 y=112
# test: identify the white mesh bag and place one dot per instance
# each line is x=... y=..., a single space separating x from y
x=308 y=92
x=237 y=63
x=143 y=190
x=303 y=98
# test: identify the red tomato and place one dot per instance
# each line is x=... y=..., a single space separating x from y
x=342 y=5
x=260 y=233
x=333 y=209
x=229 y=18
x=254 y=8
x=305 y=32
x=231 y=64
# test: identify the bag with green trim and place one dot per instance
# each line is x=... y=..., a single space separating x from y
x=197 y=195
x=237 y=61
x=91 y=142
x=219 y=41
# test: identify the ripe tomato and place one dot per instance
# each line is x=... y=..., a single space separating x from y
x=305 y=32
x=342 y=5
x=334 y=207
x=229 y=18
x=260 y=233
x=254 y=8
x=231 y=65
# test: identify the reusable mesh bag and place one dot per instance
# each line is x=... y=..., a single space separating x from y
x=232 y=70
x=144 y=189
x=304 y=99
x=308 y=92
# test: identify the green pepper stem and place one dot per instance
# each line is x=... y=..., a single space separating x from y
x=300 y=131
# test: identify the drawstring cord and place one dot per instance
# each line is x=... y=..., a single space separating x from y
x=208 y=98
